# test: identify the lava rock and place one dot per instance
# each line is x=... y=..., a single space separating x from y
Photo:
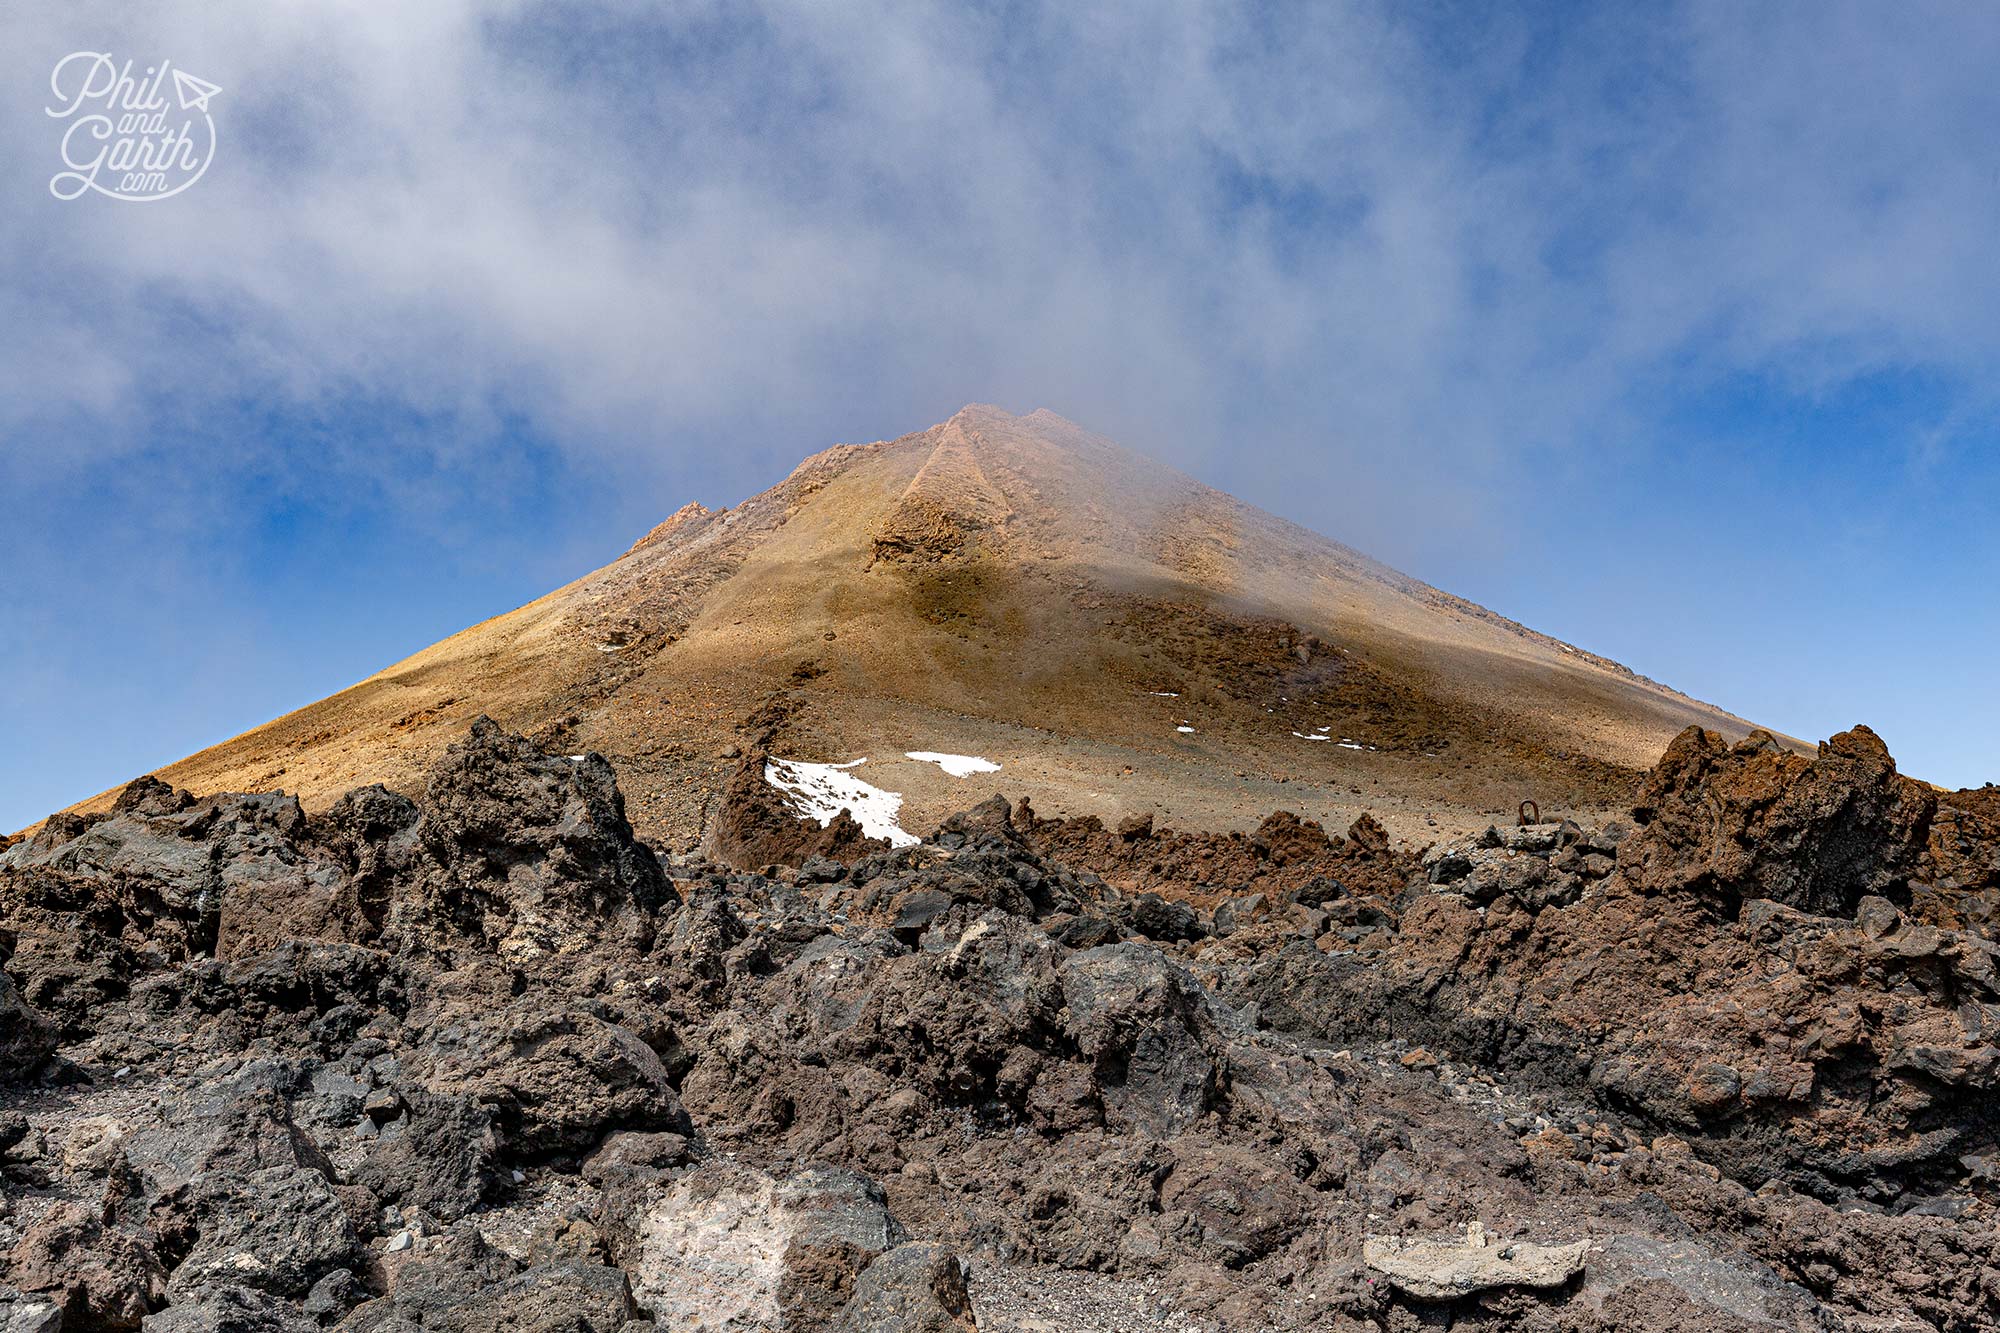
x=102 y=1277
x=1754 y=820
x=914 y=1288
x=556 y=1080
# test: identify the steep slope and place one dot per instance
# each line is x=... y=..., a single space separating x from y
x=1117 y=636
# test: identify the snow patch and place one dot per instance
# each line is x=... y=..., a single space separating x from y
x=821 y=791
x=1302 y=736
x=1165 y=694
x=1185 y=729
x=958 y=765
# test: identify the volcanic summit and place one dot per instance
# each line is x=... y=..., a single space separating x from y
x=1120 y=639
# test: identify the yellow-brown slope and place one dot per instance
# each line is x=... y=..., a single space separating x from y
x=1017 y=588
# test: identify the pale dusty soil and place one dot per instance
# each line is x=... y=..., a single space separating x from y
x=1049 y=1300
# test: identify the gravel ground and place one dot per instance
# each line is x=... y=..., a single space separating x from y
x=1011 y=1299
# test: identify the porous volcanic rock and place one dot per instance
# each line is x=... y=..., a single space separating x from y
x=1845 y=1054
x=914 y=1288
x=1755 y=820
x=535 y=851
x=497 y=1065
x=99 y=1276
x=26 y=1038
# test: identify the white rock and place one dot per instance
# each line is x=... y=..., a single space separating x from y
x=1443 y=1269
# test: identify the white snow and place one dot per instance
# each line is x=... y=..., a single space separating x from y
x=1302 y=736
x=821 y=791
x=958 y=765
x=1165 y=694
x=1185 y=729
x=1346 y=744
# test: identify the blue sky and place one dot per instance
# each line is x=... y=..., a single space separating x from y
x=1669 y=329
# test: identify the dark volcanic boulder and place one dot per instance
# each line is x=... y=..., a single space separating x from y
x=237 y=1126
x=1754 y=820
x=462 y=1284
x=163 y=880
x=26 y=1038
x=231 y=1310
x=237 y=1193
x=1158 y=919
x=914 y=1288
x=372 y=832
x=163 y=871
x=535 y=853
x=278 y=1230
x=555 y=1080
x=439 y=1156
x=1151 y=1032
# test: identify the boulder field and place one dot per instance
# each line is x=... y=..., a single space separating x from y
x=483 y=1060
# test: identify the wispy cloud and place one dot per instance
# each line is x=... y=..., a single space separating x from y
x=1183 y=221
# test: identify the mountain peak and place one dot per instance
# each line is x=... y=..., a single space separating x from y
x=1113 y=634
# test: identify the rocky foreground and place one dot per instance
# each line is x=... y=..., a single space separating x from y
x=487 y=1062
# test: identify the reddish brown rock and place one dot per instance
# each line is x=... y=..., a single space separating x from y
x=1754 y=820
x=1282 y=859
x=103 y=1277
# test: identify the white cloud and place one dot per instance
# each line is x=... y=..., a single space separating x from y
x=1390 y=253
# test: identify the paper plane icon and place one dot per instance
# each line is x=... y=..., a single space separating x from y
x=194 y=93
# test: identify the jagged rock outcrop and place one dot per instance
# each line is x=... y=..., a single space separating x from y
x=554 y=1080
x=1754 y=820
x=534 y=853
x=1846 y=1053
x=26 y=1037
x=513 y=853
x=497 y=1066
